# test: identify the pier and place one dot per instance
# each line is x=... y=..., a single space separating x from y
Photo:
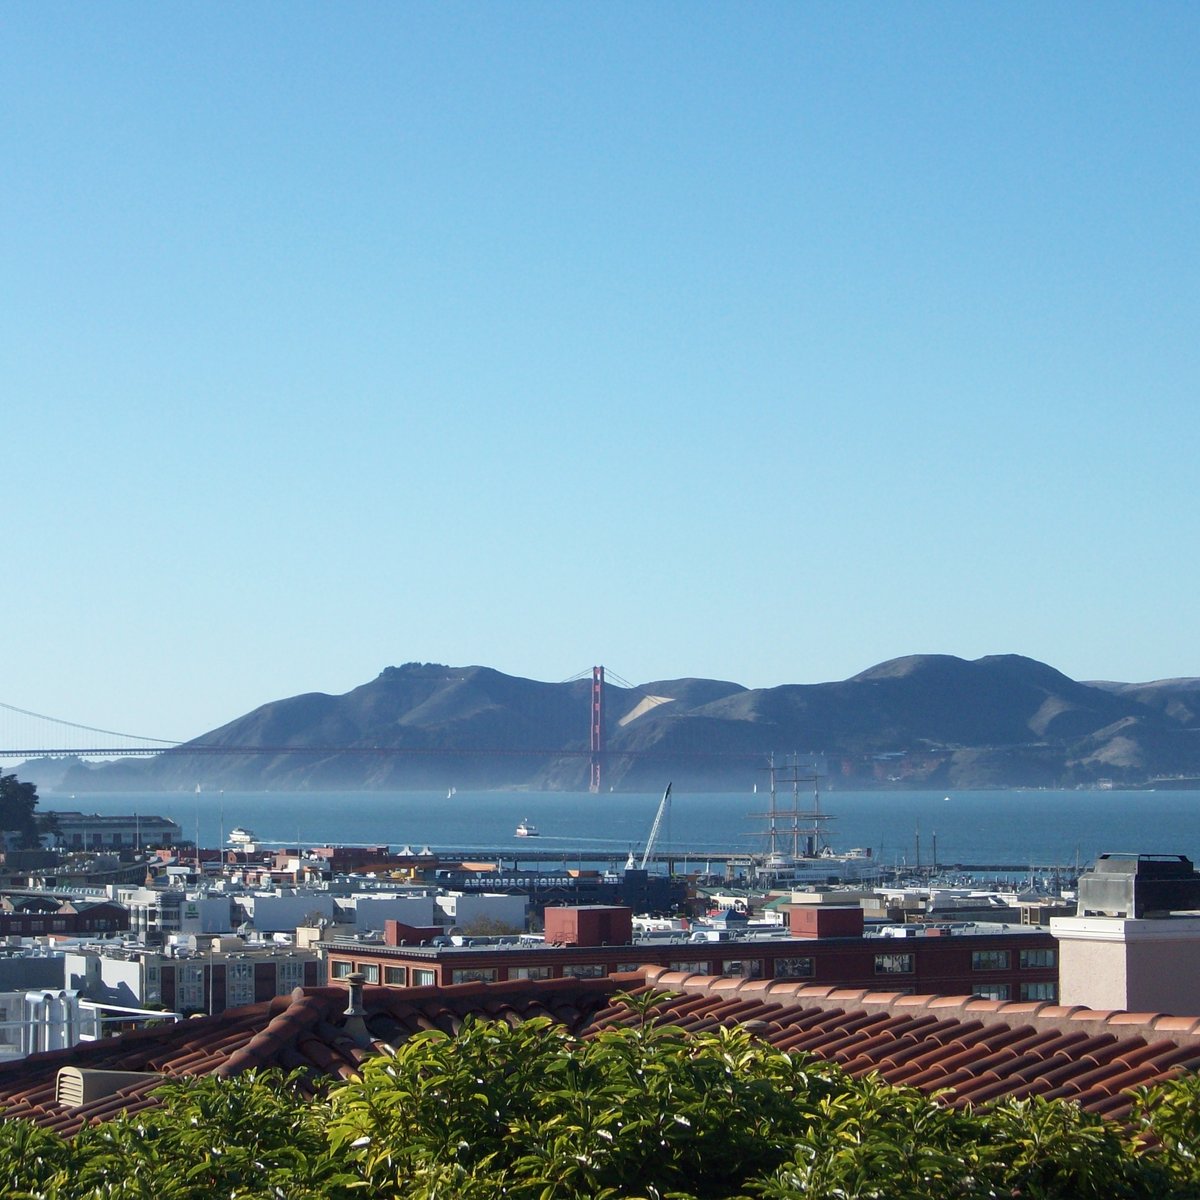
x=674 y=860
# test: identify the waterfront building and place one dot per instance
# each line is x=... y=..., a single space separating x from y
x=637 y=889
x=91 y=831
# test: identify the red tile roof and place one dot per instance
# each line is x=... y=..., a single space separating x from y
x=974 y=1051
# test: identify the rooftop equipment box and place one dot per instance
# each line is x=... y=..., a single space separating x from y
x=820 y=920
x=1135 y=885
x=589 y=925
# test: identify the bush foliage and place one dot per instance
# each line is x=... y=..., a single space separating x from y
x=533 y=1113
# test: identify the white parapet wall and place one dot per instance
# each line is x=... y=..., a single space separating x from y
x=1149 y=964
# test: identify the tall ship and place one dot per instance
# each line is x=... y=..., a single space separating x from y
x=797 y=851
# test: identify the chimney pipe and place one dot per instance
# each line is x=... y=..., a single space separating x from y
x=355 y=1014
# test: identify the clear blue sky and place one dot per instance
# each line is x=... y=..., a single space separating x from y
x=754 y=341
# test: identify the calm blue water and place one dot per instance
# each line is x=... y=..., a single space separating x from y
x=1028 y=827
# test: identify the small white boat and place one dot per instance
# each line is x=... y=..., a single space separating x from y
x=527 y=829
x=243 y=840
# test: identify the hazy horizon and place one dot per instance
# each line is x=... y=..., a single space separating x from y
x=752 y=342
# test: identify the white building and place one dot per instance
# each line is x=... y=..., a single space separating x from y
x=464 y=908
x=224 y=974
x=162 y=912
x=283 y=912
x=370 y=911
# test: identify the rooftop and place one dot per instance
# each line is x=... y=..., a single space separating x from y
x=698 y=935
x=972 y=1051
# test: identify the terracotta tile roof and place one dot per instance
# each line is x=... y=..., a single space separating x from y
x=304 y=1030
x=972 y=1051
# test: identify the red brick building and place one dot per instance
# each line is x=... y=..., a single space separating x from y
x=40 y=914
x=823 y=946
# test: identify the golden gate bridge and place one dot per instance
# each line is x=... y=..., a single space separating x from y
x=25 y=734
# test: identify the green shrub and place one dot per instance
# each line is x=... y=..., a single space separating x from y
x=642 y=1112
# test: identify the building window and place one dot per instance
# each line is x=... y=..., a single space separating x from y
x=423 y=977
x=189 y=988
x=1039 y=991
x=747 y=968
x=473 y=975
x=239 y=983
x=289 y=974
x=370 y=972
x=529 y=972
x=993 y=991
x=895 y=964
x=1037 y=958
x=989 y=960
x=795 y=968
x=395 y=976
x=338 y=969
x=697 y=967
x=583 y=971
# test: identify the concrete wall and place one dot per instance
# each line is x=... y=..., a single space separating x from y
x=19 y=973
x=1142 y=965
x=463 y=908
x=282 y=914
x=206 y=914
x=370 y=912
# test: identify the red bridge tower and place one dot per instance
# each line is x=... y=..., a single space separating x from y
x=597 y=727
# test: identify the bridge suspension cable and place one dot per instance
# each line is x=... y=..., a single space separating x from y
x=133 y=737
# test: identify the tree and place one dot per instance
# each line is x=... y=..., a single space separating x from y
x=485 y=926
x=635 y=1112
x=17 y=804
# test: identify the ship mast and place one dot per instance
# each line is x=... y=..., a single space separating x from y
x=802 y=827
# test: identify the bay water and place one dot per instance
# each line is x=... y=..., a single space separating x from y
x=1036 y=828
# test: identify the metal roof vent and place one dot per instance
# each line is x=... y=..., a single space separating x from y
x=75 y=1086
x=1139 y=885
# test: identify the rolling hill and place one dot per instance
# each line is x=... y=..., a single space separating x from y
x=924 y=720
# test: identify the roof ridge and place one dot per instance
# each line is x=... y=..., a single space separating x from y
x=1041 y=1014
